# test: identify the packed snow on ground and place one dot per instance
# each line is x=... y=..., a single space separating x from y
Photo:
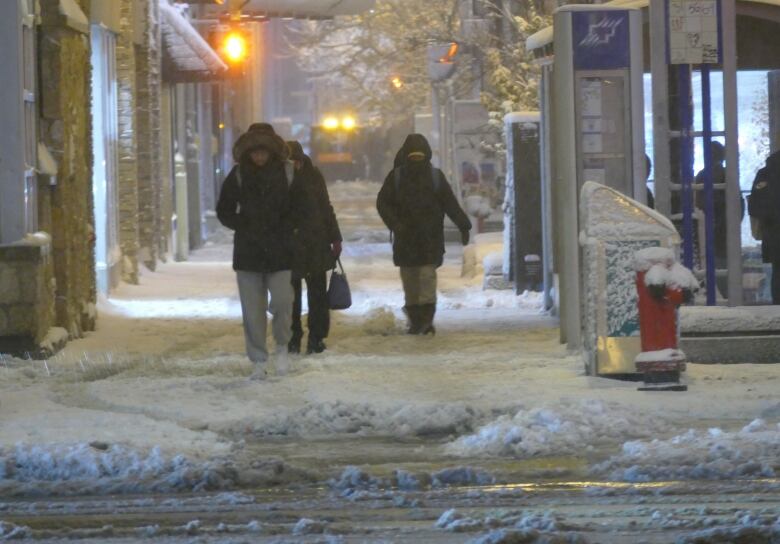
x=102 y=468
x=567 y=428
x=714 y=454
x=166 y=372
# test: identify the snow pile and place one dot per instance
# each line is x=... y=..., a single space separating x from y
x=40 y=239
x=676 y=276
x=752 y=529
x=366 y=419
x=84 y=468
x=461 y=476
x=493 y=264
x=668 y=354
x=9 y=531
x=354 y=480
x=307 y=526
x=752 y=452
x=645 y=259
x=514 y=526
x=381 y=322
x=566 y=429
x=504 y=536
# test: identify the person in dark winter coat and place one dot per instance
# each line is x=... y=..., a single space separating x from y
x=719 y=217
x=318 y=246
x=255 y=203
x=764 y=207
x=413 y=201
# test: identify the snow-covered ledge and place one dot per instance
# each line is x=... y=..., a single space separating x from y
x=70 y=15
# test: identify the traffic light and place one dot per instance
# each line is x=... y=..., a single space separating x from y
x=397 y=82
x=232 y=44
x=441 y=60
x=235 y=47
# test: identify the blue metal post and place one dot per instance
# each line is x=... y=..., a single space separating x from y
x=709 y=197
x=686 y=160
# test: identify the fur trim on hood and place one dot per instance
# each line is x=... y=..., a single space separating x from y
x=254 y=139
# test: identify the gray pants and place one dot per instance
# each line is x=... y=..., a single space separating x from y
x=419 y=284
x=253 y=288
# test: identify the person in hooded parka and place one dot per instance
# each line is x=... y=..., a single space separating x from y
x=318 y=246
x=413 y=201
x=255 y=203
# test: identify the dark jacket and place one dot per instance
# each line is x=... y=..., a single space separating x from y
x=315 y=221
x=719 y=202
x=415 y=212
x=764 y=204
x=258 y=209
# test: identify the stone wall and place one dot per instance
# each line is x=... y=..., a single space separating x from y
x=65 y=128
x=26 y=297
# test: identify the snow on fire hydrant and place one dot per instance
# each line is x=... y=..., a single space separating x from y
x=663 y=285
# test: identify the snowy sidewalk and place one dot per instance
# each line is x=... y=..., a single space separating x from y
x=166 y=369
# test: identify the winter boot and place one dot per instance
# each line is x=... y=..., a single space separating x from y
x=413 y=316
x=294 y=347
x=315 y=345
x=427 y=313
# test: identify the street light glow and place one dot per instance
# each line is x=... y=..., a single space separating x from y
x=397 y=82
x=235 y=47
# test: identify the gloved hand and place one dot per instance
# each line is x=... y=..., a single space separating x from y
x=336 y=248
x=465 y=237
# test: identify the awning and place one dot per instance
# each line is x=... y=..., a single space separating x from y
x=187 y=56
x=308 y=8
x=300 y=9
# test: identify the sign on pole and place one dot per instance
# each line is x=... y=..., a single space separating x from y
x=694 y=31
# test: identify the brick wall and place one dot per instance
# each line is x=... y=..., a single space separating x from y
x=128 y=148
x=138 y=71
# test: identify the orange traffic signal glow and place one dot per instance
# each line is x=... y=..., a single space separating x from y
x=397 y=82
x=235 y=47
x=449 y=58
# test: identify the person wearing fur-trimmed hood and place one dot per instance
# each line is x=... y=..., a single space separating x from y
x=255 y=203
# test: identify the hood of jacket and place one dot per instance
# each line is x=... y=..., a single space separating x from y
x=256 y=139
x=414 y=143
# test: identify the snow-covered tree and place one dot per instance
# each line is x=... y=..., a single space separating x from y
x=512 y=79
x=376 y=62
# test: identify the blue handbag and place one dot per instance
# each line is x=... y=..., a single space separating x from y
x=339 y=294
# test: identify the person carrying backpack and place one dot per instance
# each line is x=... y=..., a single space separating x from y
x=764 y=210
x=413 y=201
x=255 y=203
x=318 y=246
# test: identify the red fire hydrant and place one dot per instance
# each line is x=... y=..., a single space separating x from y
x=662 y=285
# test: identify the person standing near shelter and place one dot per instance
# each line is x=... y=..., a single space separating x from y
x=318 y=246
x=719 y=217
x=255 y=203
x=413 y=201
x=764 y=209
